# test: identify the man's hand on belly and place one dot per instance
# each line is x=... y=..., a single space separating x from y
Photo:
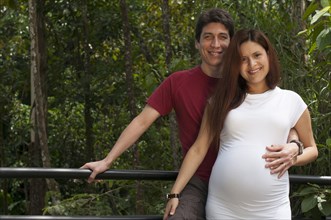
x=280 y=158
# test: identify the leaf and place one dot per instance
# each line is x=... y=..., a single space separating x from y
x=302 y=32
x=110 y=183
x=323 y=40
x=328 y=142
x=326 y=208
x=312 y=48
x=319 y=14
x=307 y=191
x=308 y=203
x=312 y=7
x=325 y=3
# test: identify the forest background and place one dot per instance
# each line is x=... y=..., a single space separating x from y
x=74 y=73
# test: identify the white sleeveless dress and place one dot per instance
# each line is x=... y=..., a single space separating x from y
x=240 y=187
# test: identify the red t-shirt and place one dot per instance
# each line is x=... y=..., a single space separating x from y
x=187 y=92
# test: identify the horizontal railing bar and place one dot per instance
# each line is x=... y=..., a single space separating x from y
x=321 y=180
x=75 y=173
x=145 y=217
x=70 y=173
x=36 y=217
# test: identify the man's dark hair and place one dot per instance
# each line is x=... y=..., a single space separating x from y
x=216 y=15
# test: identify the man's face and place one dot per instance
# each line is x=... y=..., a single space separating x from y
x=214 y=40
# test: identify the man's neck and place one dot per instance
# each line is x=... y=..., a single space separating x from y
x=211 y=71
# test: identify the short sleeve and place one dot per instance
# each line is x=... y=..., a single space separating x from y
x=162 y=97
x=299 y=106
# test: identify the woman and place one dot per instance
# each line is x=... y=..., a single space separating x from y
x=250 y=112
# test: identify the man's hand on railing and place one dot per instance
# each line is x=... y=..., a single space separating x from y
x=96 y=167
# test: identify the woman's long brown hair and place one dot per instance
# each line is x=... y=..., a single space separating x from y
x=231 y=89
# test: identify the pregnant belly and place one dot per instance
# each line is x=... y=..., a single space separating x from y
x=239 y=174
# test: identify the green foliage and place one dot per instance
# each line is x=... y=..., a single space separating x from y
x=82 y=204
x=316 y=200
x=112 y=198
x=318 y=31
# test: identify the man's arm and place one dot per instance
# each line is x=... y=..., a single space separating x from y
x=293 y=135
x=127 y=138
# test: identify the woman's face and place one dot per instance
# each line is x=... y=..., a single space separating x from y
x=254 y=66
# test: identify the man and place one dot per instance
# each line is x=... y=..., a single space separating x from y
x=186 y=92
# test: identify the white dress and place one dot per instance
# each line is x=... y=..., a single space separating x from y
x=240 y=187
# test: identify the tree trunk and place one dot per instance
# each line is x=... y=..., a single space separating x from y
x=299 y=8
x=166 y=31
x=241 y=15
x=172 y=117
x=39 y=145
x=4 y=183
x=36 y=187
x=87 y=89
x=131 y=99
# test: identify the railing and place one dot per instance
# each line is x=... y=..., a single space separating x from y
x=66 y=173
